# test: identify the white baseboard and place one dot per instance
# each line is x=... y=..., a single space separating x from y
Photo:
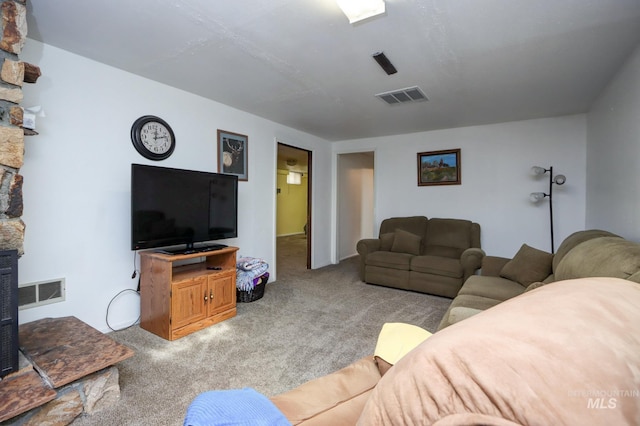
x=289 y=235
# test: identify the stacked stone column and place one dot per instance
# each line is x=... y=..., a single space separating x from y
x=13 y=73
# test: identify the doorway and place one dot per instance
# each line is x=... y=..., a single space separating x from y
x=293 y=209
x=355 y=201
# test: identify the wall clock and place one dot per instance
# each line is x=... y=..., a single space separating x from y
x=153 y=138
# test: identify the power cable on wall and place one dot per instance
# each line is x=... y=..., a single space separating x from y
x=109 y=306
x=133 y=276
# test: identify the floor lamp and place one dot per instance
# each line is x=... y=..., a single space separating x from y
x=539 y=196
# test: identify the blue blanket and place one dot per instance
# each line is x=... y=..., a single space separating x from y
x=235 y=407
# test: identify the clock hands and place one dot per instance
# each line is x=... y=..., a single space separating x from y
x=152 y=137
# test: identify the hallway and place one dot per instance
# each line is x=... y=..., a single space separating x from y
x=291 y=254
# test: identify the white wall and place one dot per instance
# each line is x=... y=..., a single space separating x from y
x=354 y=201
x=496 y=179
x=77 y=177
x=613 y=154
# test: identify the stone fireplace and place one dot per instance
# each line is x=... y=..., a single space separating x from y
x=13 y=74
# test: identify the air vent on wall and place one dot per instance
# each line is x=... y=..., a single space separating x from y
x=402 y=96
x=41 y=293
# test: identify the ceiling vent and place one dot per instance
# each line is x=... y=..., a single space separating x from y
x=403 y=96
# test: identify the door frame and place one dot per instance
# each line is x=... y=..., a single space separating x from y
x=335 y=199
x=309 y=196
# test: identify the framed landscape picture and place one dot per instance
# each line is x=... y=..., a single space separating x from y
x=233 y=155
x=439 y=167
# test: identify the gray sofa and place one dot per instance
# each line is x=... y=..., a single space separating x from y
x=433 y=256
x=590 y=253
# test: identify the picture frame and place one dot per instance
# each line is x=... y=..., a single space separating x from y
x=439 y=167
x=233 y=155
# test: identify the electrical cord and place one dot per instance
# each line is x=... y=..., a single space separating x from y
x=109 y=306
x=135 y=270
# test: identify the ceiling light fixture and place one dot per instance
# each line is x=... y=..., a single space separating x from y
x=358 y=10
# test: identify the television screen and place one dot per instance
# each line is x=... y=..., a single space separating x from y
x=174 y=206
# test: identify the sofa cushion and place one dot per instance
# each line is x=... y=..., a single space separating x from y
x=577 y=238
x=417 y=225
x=386 y=241
x=443 y=251
x=406 y=242
x=437 y=265
x=395 y=340
x=535 y=285
x=460 y=313
x=602 y=257
x=491 y=287
x=467 y=301
x=312 y=404
x=449 y=233
x=389 y=259
x=528 y=265
x=514 y=362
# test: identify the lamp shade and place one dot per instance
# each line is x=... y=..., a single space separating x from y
x=294 y=178
x=537 y=196
x=537 y=170
x=559 y=179
x=357 y=10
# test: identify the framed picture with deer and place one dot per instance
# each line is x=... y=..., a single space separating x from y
x=232 y=154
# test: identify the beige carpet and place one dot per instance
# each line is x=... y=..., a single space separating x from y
x=308 y=324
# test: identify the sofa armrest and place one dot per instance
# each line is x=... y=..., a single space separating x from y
x=338 y=397
x=460 y=313
x=492 y=265
x=368 y=245
x=471 y=260
x=364 y=247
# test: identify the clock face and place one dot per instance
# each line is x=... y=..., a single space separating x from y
x=155 y=137
x=152 y=137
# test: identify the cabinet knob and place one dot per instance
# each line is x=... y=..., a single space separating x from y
x=205 y=298
x=211 y=295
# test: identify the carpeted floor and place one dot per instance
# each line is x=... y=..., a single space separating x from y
x=308 y=324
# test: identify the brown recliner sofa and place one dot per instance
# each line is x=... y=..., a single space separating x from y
x=589 y=253
x=433 y=256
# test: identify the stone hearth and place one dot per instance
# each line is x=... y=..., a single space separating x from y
x=66 y=370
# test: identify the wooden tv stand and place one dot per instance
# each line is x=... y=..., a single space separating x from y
x=177 y=299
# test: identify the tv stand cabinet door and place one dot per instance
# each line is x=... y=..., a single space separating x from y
x=223 y=291
x=188 y=303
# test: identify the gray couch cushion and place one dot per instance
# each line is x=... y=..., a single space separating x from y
x=388 y=259
x=449 y=233
x=467 y=301
x=601 y=257
x=491 y=287
x=417 y=225
x=528 y=266
x=437 y=265
x=406 y=242
x=443 y=251
x=576 y=238
x=386 y=241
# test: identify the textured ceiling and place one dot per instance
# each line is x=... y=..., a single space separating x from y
x=300 y=63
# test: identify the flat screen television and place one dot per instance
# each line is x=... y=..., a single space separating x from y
x=171 y=207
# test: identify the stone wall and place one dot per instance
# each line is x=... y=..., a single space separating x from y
x=86 y=396
x=13 y=73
